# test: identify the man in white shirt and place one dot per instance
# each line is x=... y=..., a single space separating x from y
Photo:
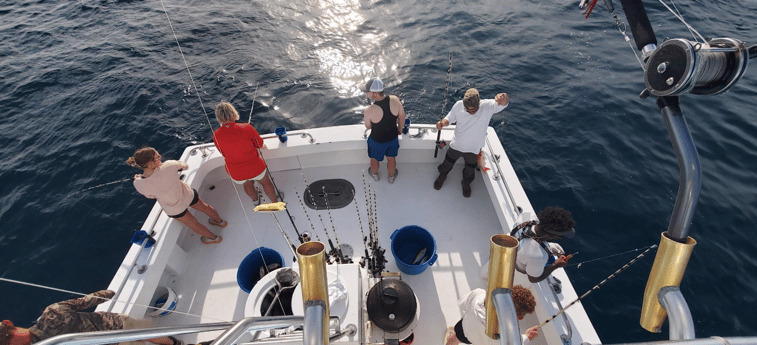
x=472 y=117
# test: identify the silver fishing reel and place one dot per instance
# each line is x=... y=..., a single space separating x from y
x=679 y=66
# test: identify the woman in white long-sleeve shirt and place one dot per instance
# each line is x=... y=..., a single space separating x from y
x=160 y=180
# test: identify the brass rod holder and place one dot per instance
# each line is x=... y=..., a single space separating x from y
x=312 y=260
x=501 y=272
x=668 y=269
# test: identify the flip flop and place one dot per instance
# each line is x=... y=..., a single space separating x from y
x=207 y=240
x=222 y=224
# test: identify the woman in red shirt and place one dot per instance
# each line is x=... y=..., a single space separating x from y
x=239 y=144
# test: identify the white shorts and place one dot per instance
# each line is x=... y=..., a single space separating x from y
x=256 y=178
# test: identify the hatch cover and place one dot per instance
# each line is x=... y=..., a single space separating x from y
x=340 y=193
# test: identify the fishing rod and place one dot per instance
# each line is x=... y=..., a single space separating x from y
x=281 y=198
x=362 y=232
x=253 y=102
x=13 y=281
x=336 y=237
x=444 y=105
x=312 y=227
x=598 y=285
x=312 y=200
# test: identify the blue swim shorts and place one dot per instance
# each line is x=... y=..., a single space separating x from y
x=379 y=150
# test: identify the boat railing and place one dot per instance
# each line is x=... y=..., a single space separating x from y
x=498 y=175
x=232 y=335
x=556 y=286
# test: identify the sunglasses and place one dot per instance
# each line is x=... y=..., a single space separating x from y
x=471 y=110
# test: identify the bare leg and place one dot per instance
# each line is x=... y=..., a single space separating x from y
x=249 y=188
x=268 y=187
x=209 y=210
x=391 y=164
x=451 y=338
x=375 y=166
x=189 y=220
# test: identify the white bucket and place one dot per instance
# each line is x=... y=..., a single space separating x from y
x=164 y=302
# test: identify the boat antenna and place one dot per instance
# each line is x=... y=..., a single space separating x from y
x=339 y=253
x=444 y=105
x=598 y=285
x=13 y=281
x=253 y=102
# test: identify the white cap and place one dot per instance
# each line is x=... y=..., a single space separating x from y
x=374 y=85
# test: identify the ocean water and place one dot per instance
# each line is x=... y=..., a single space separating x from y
x=85 y=83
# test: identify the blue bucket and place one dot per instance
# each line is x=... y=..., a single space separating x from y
x=247 y=274
x=407 y=243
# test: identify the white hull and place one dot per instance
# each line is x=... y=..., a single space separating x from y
x=204 y=276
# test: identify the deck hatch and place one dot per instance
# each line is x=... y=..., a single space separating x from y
x=340 y=193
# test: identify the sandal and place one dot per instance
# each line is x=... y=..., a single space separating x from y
x=222 y=224
x=207 y=240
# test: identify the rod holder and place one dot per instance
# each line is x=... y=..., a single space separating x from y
x=502 y=252
x=312 y=260
x=668 y=269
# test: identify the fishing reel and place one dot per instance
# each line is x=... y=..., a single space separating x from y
x=679 y=66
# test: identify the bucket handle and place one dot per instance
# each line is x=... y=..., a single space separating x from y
x=432 y=260
x=394 y=234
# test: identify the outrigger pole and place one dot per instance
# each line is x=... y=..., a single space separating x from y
x=444 y=105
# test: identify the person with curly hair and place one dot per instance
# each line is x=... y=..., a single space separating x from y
x=537 y=255
x=471 y=329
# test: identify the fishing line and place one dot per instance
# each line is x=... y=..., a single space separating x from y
x=103 y=298
x=197 y=92
x=680 y=17
x=210 y=127
x=598 y=285
x=106 y=215
x=609 y=256
x=101 y=185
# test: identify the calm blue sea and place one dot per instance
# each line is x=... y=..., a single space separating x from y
x=84 y=83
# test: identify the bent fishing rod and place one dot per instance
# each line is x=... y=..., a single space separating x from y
x=444 y=105
x=598 y=285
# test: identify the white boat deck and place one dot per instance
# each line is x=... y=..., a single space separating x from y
x=205 y=276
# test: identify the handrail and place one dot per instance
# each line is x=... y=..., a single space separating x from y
x=499 y=175
x=232 y=335
x=508 y=319
x=680 y=322
x=566 y=338
x=125 y=335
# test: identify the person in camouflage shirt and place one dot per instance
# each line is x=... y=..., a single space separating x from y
x=69 y=317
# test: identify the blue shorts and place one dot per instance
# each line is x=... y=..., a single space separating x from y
x=377 y=151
